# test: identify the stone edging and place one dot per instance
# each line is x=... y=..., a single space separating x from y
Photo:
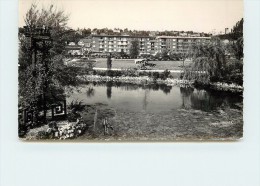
x=168 y=81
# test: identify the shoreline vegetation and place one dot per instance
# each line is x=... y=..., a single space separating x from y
x=168 y=81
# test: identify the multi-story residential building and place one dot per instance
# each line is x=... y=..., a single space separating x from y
x=147 y=44
x=118 y=43
x=177 y=44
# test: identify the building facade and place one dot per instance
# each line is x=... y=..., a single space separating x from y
x=177 y=44
x=147 y=44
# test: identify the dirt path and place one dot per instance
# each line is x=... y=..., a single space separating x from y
x=117 y=69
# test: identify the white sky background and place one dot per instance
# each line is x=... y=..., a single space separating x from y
x=195 y=15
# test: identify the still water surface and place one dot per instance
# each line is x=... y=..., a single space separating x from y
x=153 y=98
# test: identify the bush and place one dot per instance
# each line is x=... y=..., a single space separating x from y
x=155 y=75
x=115 y=73
x=233 y=73
x=42 y=135
x=132 y=72
x=165 y=74
x=75 y=107
x=101 y=73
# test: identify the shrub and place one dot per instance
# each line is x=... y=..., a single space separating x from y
x=165 y=74
x=101 y=73
x=42 y=135
x=155 y=75
x=132 y=72
x=75 y=107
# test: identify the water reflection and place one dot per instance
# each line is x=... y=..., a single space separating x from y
x=130 y=86
x=207 y=100
x=145 y=100
x=186 y=93
x=90 y=92
x=154 y=97
x=109 y=89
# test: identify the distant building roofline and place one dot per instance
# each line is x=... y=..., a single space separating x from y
x=183 y=37
x=97 y=35
x=173 y=37
x=73 y=47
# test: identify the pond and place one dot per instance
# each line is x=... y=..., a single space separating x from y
x=159 y=111
x=154 y=97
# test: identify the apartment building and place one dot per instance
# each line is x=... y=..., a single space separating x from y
x=177 y=44
x=147 y=44
x=117 y=43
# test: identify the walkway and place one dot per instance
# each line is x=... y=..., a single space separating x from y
x=117 y=69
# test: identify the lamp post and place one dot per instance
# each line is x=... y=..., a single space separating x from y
x=39 y=36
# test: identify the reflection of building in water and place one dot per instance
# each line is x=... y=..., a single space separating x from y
x=109 y=89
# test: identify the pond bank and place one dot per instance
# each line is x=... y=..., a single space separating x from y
x=168 y=81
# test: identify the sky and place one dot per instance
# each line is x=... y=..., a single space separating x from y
x=186 y=15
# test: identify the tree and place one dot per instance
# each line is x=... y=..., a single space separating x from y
x=45 y=79
x=134 y=49
x=208 y=61
x=237 y=48
x=236 y=45
x=165 y=55
x=109 y=62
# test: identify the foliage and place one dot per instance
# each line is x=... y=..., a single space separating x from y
x=164 y=55
x=234 y=72
x=44 y=81
x=236 y=44
x=175 y=56
x=155 y=75
x=165 y=74
x=236 y=48
x=75 y=108
x=134 y=49
x=109 y=62
x=209 y=61
x=236 y=32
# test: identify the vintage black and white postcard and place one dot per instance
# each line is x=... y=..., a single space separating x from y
x=110 y=70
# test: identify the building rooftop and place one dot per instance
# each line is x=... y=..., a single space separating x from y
x=182 y=37
x=73 y=47
x=121 y=36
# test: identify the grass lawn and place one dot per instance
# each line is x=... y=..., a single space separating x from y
x=129 y=63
